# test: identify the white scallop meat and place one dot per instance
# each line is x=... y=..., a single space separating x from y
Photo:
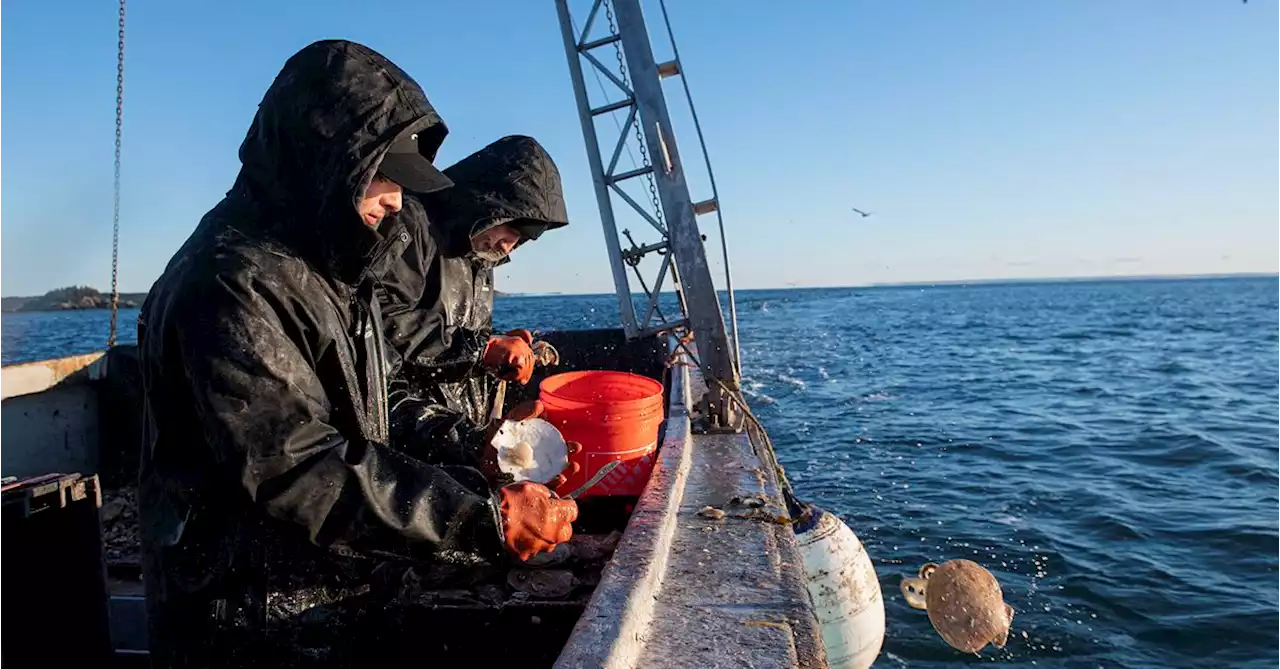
x=531 y=450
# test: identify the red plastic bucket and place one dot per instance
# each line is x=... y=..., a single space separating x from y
x=615 y=416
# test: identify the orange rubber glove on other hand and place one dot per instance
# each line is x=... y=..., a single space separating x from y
x=573 y=468
x=509 y=356
x=525 y=411
x=533 y=519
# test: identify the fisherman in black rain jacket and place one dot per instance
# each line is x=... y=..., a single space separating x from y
x=437 y=302
x=268 y=486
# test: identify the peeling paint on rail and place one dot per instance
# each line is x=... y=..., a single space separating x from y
x=33 y=377
x=683 y=590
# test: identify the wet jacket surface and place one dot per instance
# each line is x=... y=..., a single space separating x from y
x=268 y=487
x=437 y=300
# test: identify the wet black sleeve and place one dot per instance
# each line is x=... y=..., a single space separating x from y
x=455 y=355
x=267 y=416
x=432 y=432
x=412 y=318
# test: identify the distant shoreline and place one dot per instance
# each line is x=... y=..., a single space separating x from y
x=71 y=298
x=124 y=304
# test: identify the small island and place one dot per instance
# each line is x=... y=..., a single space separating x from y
x=68 y=299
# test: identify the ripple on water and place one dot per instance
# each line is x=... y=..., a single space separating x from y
x=1118 y=477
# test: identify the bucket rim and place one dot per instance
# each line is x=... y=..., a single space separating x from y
x=552 y=383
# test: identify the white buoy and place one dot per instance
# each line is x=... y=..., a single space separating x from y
x=844 y=590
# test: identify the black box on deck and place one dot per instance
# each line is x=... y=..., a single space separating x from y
x=55 y=583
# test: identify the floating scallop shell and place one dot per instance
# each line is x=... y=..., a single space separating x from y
x=531 y=450
x=964 y=601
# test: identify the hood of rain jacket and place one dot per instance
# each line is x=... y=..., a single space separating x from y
x=438 y=298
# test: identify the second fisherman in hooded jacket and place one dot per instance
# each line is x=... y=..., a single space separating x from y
x=437 y=301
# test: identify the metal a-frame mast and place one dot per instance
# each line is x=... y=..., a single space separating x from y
x=637 y=84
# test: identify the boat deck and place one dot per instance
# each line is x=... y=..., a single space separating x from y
x=688 y=590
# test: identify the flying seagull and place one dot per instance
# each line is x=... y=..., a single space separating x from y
x=863 y=213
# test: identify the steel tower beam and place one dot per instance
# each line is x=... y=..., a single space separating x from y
x=674 y=213
x=715 y=355
x=573 y=51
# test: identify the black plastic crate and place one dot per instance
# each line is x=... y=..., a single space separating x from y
x=54 y=572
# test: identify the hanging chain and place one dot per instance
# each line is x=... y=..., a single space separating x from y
x=644 y=153
x=115 y=222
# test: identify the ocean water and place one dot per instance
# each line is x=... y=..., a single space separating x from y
x=1107 y=449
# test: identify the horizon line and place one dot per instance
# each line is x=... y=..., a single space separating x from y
x=962 y=282
x=891 y=284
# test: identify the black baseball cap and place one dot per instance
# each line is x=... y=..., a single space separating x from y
x=530 y=230
x=407 y=162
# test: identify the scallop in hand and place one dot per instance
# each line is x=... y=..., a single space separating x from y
x=530 y=450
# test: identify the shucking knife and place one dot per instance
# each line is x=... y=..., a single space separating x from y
x=599 y=476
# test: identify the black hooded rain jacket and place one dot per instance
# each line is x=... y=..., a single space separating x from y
x=437 y=301
x=267 y=483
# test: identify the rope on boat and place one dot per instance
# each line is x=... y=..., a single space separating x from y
x=763 y=445
x=115 y=225
x=795 y=507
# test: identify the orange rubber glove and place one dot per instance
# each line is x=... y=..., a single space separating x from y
x=510 y=357
x=533 y=519
x=525 y=411
x=573 y=468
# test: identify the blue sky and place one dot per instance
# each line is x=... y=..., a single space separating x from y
x=993 y=138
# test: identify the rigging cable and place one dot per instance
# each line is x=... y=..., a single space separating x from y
x=760 y=441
